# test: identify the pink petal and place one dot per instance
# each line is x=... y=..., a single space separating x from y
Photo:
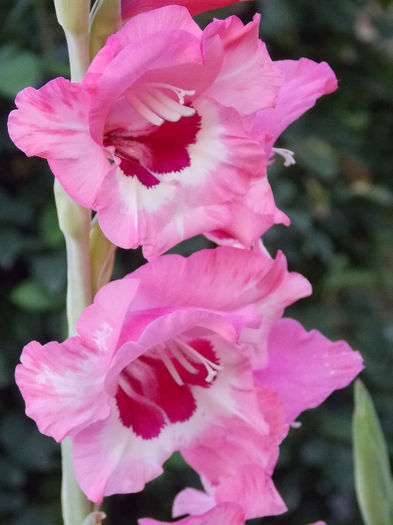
x=131 y=8
x=248 y=80
x=304 y=82
x=224 y=514
x=62 y=385
x=254 y=491
x=192 y=501
x=305 y=367
x=252 y=216
x=101 y=323
x=110 y=458
x=237 y=466
x=52 y=122
x=218 y=280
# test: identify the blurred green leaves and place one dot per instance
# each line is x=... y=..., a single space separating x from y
x=373 y=478
x=19 y=68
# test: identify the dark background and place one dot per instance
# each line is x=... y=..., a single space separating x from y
x=339 y=197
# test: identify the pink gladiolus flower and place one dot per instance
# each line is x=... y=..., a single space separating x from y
x=302 y=370
x=167 y=136
x=164 y=357
x=224 y=514
x=169 y=358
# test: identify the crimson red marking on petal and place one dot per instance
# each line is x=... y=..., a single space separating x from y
x=145 y=420
x=175 y=400
x=205 y=349
x=168 y=144
x=131 y=167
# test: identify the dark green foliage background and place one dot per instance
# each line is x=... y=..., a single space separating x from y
x=339 y=197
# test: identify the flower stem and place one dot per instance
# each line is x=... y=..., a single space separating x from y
x=74 y=222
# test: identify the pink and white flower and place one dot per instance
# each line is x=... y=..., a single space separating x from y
x=163 y=358
x=169 y=358
x=166 y=136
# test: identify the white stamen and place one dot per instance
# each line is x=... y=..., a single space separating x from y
x=177 y=354
x=141 y=108
x=211 y=367
x=166 y=107
x=185 y=111
x=169 y=365
x=155 y=106
x=286 y=154
x=125 y=386
x=295 y=424
x=181 y=93
x=161 y=110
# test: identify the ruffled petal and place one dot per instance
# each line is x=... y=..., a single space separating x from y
x=252 y=215
x=192 y=501
x=100 y=324
x=304 y=368
x=110 y=458
x=225 y=278
x=249 y=80
x=224 y=514
x=304 y=82
x=52 y=122
x=62 y=385
x=237 y=466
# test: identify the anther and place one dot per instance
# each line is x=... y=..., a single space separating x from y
x=286 y=154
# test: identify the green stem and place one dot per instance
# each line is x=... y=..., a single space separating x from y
x=74 y=222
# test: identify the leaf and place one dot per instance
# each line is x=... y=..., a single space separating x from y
x=19 y=69
x=30 y=295
x=373 y=480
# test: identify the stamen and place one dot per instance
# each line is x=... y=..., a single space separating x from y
x=211 y=367
x=177 y=354
x=286 y=154
x=181 y=93
x=169 y=365
x=155 y=106
x=166 y=107
x=141 y=108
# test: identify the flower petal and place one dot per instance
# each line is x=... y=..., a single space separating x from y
x=304 y=82
x=52 y=122
x=224 y=514
x=62 y=385
x=304 y=368
x=100 y=324
x=249 y=80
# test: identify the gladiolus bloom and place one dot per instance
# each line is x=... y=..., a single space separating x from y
x=169 y=358
x=166 y=136
x=162 y=356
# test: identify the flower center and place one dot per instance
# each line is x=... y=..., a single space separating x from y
x=157 y=388
x=163 y=148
